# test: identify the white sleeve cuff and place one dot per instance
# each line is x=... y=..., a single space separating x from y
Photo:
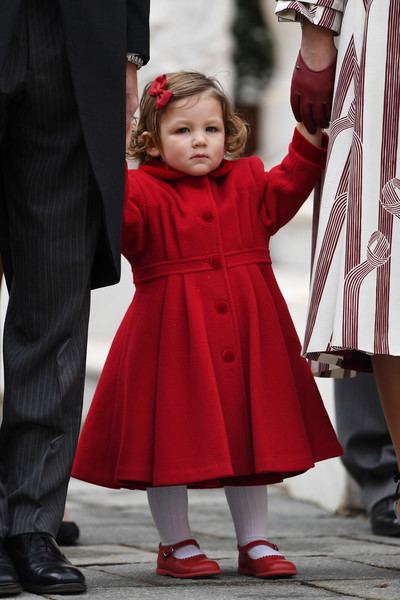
x=324 y=13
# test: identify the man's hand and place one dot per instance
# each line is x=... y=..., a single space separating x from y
x=132 y=100
x=314 y=77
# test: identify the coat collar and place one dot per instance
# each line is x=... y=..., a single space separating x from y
x=158 y=169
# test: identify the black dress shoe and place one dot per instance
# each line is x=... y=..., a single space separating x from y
x=9 y=584
x=68 y=533
x=41 y=566
x=383 y=519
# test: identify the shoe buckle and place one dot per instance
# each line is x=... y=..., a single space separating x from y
x=168 y=552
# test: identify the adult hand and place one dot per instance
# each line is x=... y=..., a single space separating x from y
x=313 y=78
x=132 y=100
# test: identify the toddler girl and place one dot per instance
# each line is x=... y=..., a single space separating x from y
x=204 y=385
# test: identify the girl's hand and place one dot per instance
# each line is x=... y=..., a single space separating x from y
x=313 y=138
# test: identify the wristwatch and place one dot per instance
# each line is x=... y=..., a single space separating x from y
x=135 y=59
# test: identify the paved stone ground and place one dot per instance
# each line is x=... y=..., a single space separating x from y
x=337 y=557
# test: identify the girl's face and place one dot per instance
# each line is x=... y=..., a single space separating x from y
x=192 y=135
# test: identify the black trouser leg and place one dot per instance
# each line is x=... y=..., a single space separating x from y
x=368 y=451
x=51 y=233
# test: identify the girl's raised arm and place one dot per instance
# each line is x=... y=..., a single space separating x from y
x=289 y=184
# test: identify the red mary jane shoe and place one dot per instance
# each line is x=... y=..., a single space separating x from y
x=185 y=568
x=265 y=567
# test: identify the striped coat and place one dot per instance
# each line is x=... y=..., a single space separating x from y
x=355 y=288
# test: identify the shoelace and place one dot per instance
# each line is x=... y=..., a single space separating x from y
x=45 y=547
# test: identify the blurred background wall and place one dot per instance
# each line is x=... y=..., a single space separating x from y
x=243 y=45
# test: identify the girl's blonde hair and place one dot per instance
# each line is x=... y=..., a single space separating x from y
x=184 y=84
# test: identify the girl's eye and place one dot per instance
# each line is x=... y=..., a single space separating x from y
x=212 y=129
x=182 y=130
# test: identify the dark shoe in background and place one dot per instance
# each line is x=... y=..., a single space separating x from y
x=41 y=566
x=68 y=533
x=9 y=584
x=383 y=519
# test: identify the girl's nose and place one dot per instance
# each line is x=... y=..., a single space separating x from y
x=199 y=139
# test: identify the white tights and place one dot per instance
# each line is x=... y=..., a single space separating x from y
x=248 y=506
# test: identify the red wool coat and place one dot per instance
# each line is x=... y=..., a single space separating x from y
x=204 y=384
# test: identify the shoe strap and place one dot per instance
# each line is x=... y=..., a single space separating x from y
x=168 y=550
x=251 y=545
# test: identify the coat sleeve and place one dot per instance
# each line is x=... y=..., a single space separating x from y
x=138 y=35
x=133 y=223
x=288 y=185
x=325 y=13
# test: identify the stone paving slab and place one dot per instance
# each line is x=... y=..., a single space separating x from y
x=326 y=567
x=108 y=554
x=337 y=557
x=339 y=546
x=369 y=589
x=207 y=593
x=309 y=569
x=383 y=559
x=137 y=584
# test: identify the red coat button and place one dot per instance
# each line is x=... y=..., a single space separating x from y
x=216 y=262
x=208 y=216
x=228 y=355
x=222 y=308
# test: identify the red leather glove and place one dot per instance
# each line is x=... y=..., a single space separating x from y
x=311 y=94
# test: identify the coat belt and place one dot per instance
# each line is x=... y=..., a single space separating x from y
x=194 y=264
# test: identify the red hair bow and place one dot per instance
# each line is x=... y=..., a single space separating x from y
x=158 y=88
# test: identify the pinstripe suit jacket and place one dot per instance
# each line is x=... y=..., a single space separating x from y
x=98 y=34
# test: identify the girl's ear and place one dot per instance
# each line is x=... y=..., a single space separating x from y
x=148 y=141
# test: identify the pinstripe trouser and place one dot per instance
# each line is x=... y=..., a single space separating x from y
x=369 y=455
x=49 y=228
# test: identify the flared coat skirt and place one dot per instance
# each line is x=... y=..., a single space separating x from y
x=204 y=385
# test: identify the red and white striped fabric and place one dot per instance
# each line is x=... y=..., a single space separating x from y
x=354 y=308
x=325 y=13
